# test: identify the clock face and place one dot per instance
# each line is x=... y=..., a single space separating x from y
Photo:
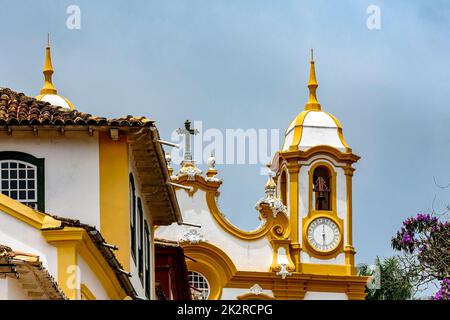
x=323 y=234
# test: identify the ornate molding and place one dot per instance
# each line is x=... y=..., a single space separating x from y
x=193 y=236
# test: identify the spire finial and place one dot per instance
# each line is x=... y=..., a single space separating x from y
x=313 y=103
x=270 y=186
x=48 y=87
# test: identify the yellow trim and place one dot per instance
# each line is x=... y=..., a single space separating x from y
x=347 y=157
x=349 y=250
x=228 y=226
x=212 y=263
x=283 y=186
x=293 y=170
x=340 y=133
x=298 y=130
x=114 y=195
x=73 y=241
x=67 y=263
x=86 y=293
x=26 y=214
x=296 y=286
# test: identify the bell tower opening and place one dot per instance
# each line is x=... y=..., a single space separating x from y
x=321 y=188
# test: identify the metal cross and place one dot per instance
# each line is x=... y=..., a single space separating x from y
x=187 y=132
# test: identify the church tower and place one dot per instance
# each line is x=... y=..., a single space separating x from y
x=314 y=174
x=302 y=248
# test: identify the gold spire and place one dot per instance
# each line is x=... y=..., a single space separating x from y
x=48 y=87
x=313 y=103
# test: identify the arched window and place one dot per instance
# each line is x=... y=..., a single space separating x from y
x=322 y=188
x=133 y=217
x=140 y=238
x=22 y=178
x=199 y=285
x=283 y=187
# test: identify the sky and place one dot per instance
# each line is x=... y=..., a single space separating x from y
x=244 y=64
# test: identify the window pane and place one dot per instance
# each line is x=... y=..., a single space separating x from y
x=22 y=195
x=22 y=184
x=18 y=181
x=31 y=195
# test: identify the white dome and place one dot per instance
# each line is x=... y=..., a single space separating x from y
x=314 y=128
x=56 y=100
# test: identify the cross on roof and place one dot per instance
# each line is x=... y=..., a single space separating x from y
x=187 y=131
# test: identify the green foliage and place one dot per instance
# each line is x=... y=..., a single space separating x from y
x=394 y=282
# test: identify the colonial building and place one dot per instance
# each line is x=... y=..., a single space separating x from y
x=80 y=197
x=303 y=248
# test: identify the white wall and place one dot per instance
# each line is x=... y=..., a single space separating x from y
x=246 y=255
x=71 y=170
x=88 y=278
x=10 y=289
x=19 y=236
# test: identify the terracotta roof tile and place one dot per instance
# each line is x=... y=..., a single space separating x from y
x=17 y=109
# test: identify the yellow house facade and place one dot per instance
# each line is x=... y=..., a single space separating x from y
x=80 y=198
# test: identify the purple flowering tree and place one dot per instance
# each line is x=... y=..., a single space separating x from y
x=424 y=241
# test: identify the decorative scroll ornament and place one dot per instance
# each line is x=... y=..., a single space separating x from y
x=271 y=200
x=193 y=236
x=190 y=170
x=256 y=289
x=284 y=272
x=213 y=179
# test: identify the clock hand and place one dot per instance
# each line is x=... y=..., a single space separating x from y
x=323 y=234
